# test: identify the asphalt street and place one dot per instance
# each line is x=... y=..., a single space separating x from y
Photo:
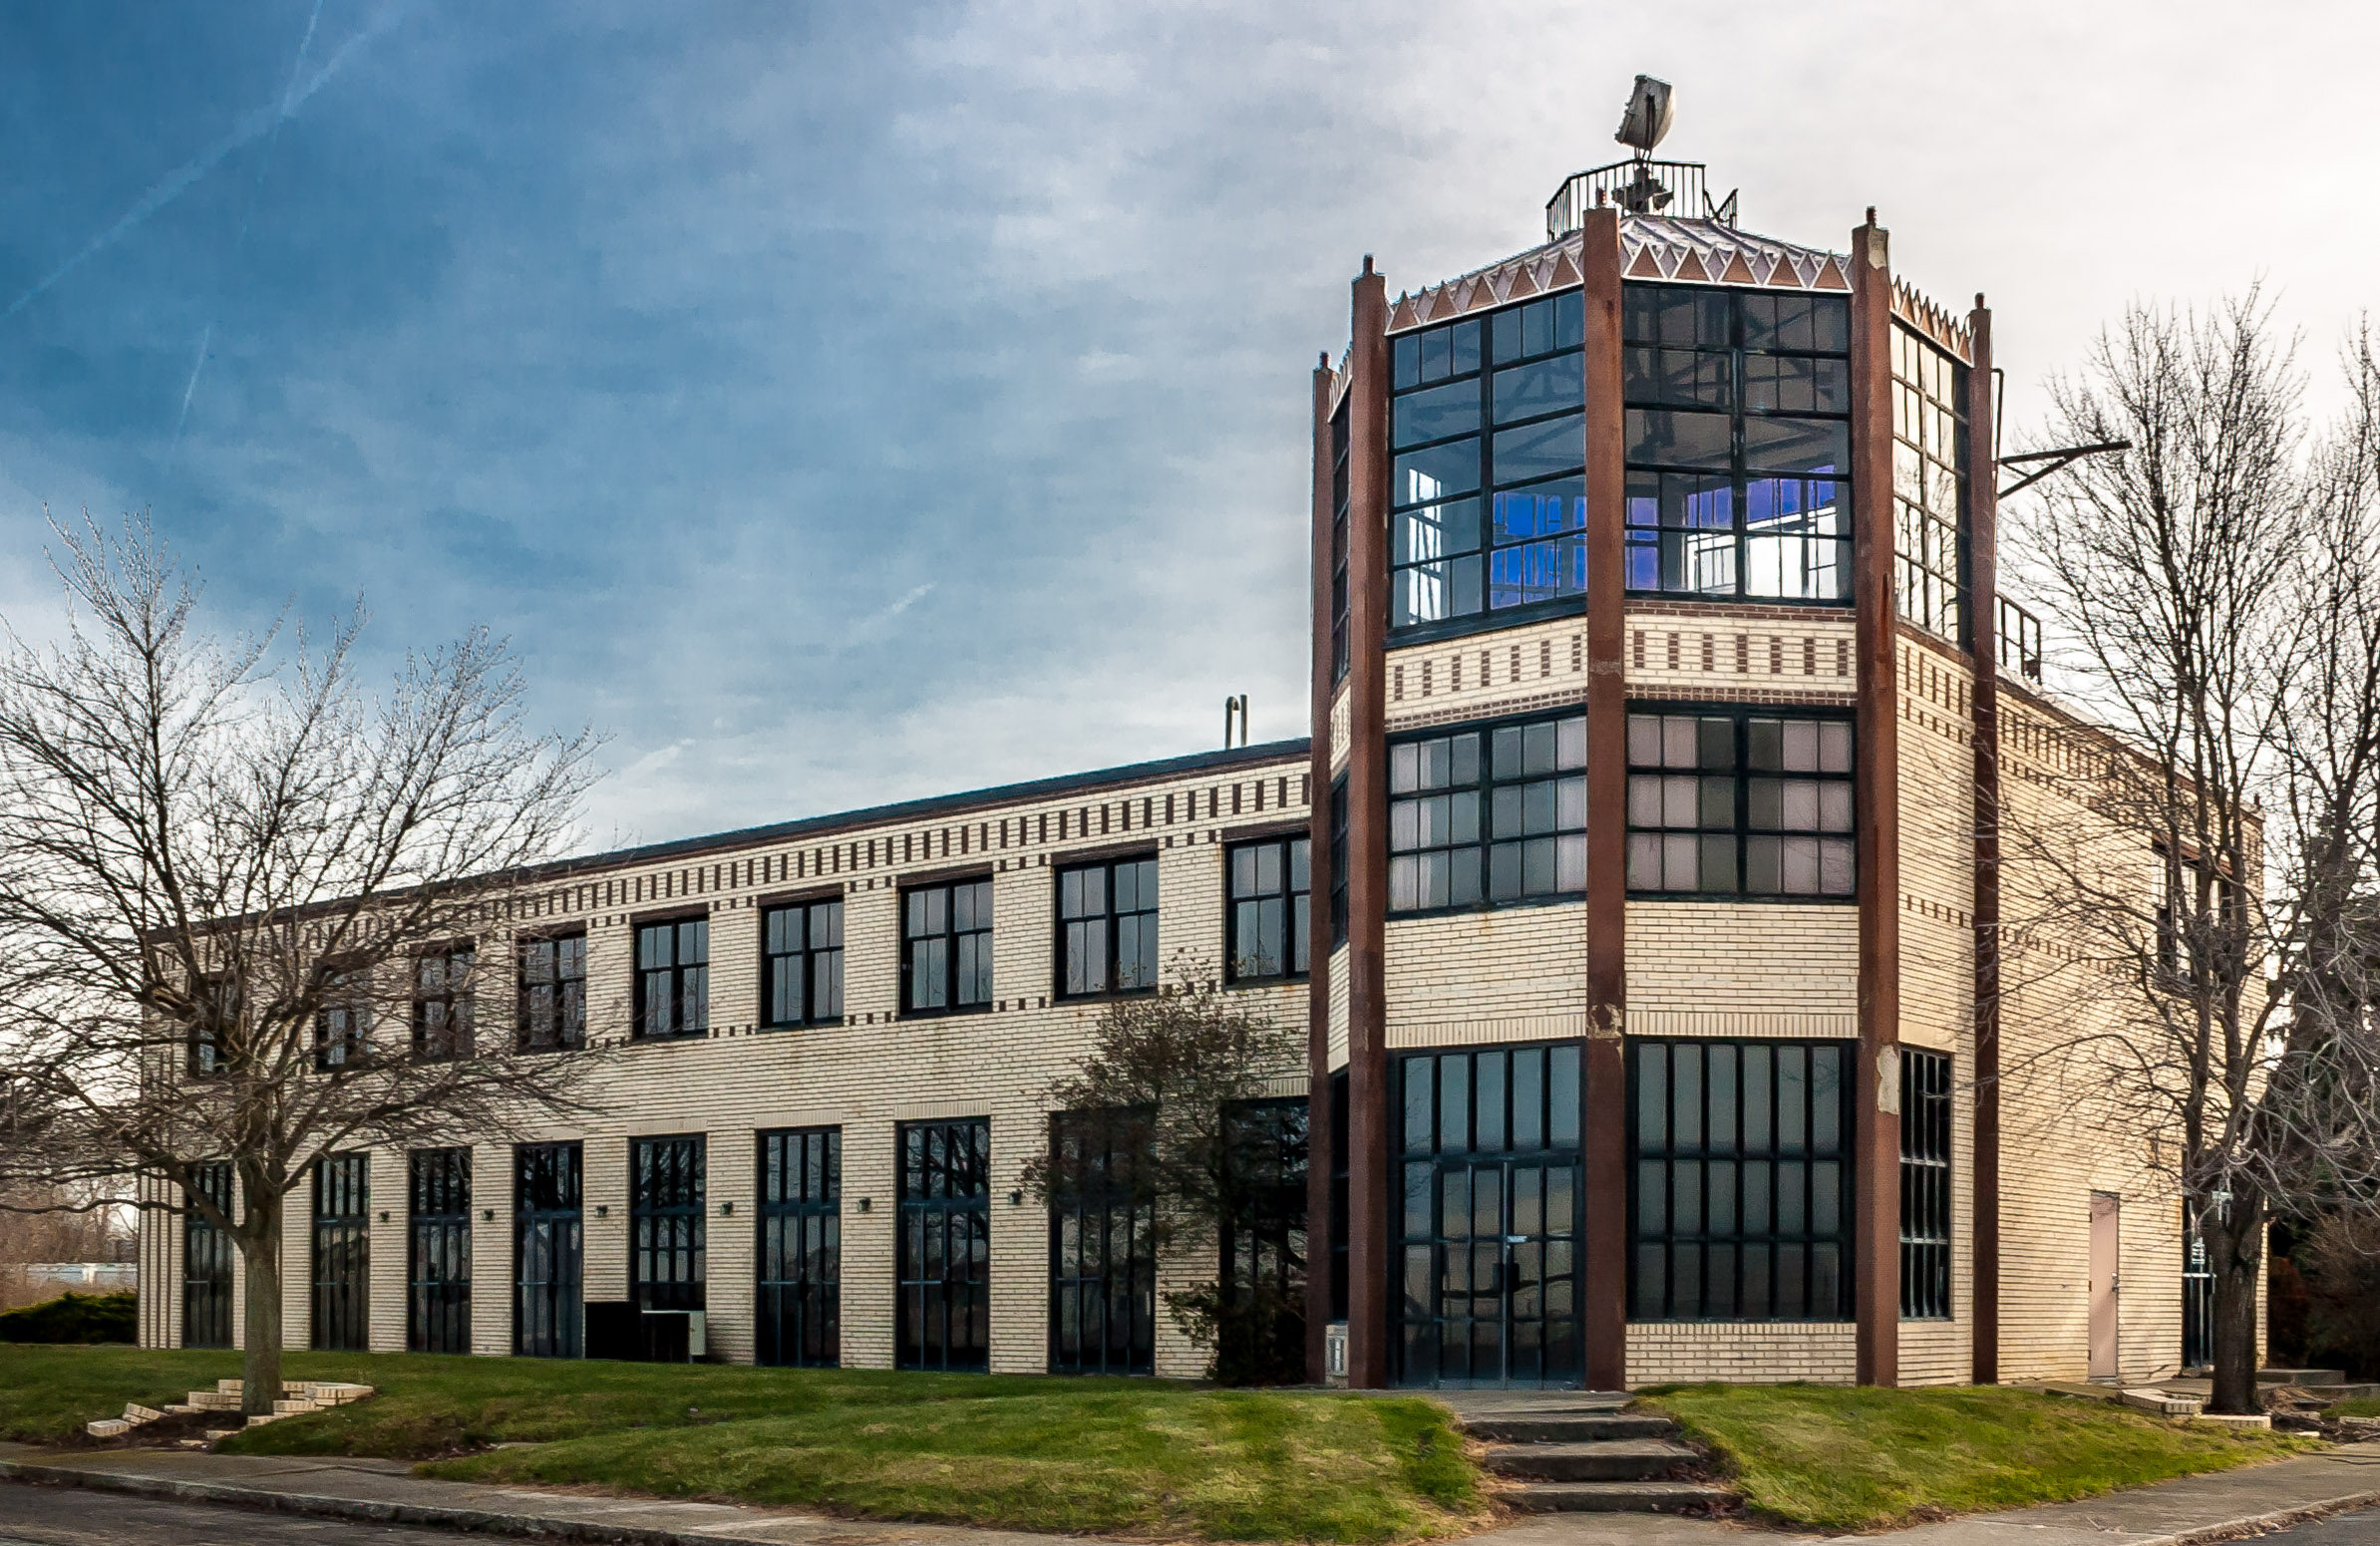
x=69 y=1516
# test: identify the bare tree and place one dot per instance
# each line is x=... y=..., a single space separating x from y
x=2201 y=859
x=1159 y=1124
x=238 y=900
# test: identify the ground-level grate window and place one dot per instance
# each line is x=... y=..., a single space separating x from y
x=206 y=1262
x=665 y=1202
x=946 y=1246
x=342 y=1252
x=1739 y=1200
x=548 y=1250
x=438 y=1251
x=801 y=1265
x=1103 y=1264
x=1924 y=1185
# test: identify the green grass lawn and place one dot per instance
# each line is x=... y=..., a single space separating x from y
x=1828 y=1458
x=2369 y=1407
x=1118 y=1457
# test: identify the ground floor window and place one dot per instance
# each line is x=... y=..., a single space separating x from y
x=438 y=1251
x=1103 y=1262
x=1489 y=1242
x=945 y=1245
x=342 y=1252
x=801 y=1248
x=1263 y=1244
x=206 y=1264
x=665 y=1207
x=548 y=1250
x=1924 y=1185
x=1739 y=1198
x=2198 y=1296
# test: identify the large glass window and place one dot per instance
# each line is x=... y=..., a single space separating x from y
x=442 y=1003
x=553 y=1003
x=343 y=1025
x=1264 y=1239
x=800 y=1266
x=1736 y=803
x=802 y=964
x=1107 y=927
x=1339 y=535
x=207 y=1255
x=1339 y=863
x=1488 y=502
x=342 y=1252
x=438 y=1251
x=945 y=1245
x=673 y=979
x=1267 y=921
x=548 y=1250
x=1740 y=1201
x=1487 y=816
x=1738 y=443
x=1102 y=1255
x=948 y=931
x=665 y=1207
x=1924 y=1185
x=1929 y=485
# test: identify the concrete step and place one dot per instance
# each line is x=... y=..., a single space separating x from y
x=1568 y=1427
x=1617 y=1497
x=2301 y=1376
x=1615 y=1459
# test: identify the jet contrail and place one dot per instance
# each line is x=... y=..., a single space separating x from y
x=175 y=183
x=256 y=195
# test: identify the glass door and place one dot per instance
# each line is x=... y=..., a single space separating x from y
x=548 y=1249
x=1490 y=1182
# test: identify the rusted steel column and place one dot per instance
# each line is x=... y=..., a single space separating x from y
x=1368 y=1195
x=1603 y=1101
x=1983 y=629
x=1318 y=1114
x=1875 y=1185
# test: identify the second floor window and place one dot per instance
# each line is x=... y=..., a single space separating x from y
x=442 y=1003
x=1733 y=803
x=673 y=978
x=1107 y=927
x=344 y=1022
x=802 y=964
x=1488 y=815
x=553 y=992
x=1268 y=883
x=216 y=1025
x=946 y=934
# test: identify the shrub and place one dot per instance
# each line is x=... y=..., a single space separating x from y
x=74 y=1318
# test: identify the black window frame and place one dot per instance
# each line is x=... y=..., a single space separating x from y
x=1741 y=835
x=1341 y=655
x=1925 y=1159
x=1262 y=1239
x=1487 y=351
x=820 y=1004
x=943 y=1319
x=1732 y=374
x=1812 y=1169
x=1339 y=862
x=1565 y=734
x=343 y=1020
x=444 y=1007
x=957 y=945
x=798 y=1320
x=438 y=1250
x=1931 y=552
x=1102 y=1255
x=1088 y=925
x=682 y=985
x=208 y=1260
x=1248 y=903
x=341 y=1259
x=667 y=1233
x=553 y=966
x=217 y=1005
x=549 y=1230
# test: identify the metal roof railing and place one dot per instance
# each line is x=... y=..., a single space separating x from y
x=1638 y=186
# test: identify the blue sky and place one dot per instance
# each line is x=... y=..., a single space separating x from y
x=838 y=404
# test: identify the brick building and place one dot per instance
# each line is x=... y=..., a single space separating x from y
x=1636 y=889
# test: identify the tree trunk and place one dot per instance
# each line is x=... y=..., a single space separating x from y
x=260 y=1262
x=2236 y=1250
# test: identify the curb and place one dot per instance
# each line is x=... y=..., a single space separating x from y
x=2258 y=1524
x=365 y=1512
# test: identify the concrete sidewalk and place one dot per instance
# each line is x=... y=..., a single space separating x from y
x=2174 y=1513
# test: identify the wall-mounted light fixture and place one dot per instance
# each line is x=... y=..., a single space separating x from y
x=726 y=1209
x=1016 y=1200
x=867 y=1203
x=384 y=1215
x=487 y=1215
x=602 y=1210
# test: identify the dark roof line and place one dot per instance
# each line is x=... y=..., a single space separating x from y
x=875 y=815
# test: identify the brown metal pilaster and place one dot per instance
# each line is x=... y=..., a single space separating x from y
x=1604 y=1097
x=1983 y=629
x=1368 y=1196
x=1318 y=1112
x=1876 y=1202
